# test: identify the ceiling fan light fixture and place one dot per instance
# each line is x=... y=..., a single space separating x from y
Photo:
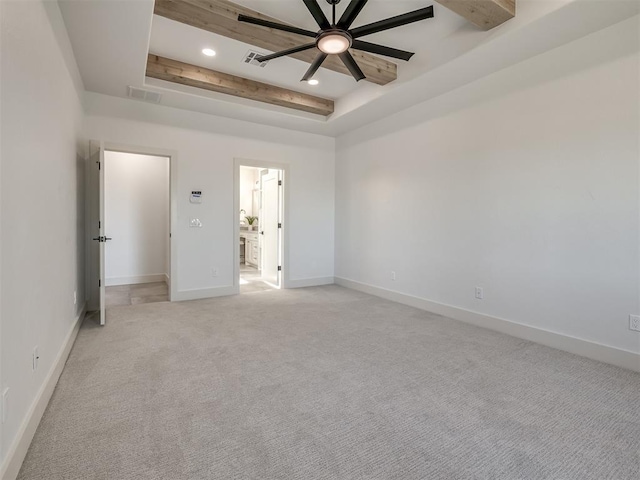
x=334 y=42
x=336 y=38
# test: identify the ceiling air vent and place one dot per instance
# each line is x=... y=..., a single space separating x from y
x=144 y=95
x=250 y=58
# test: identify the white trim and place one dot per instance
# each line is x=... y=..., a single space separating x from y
x=137 y=279
x=18 y=450
x=578 y=346
x=237 y=163
x=311 y=282
x=200 y=293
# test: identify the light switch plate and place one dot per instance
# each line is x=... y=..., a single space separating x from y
x=195 y=223
x=196 y=196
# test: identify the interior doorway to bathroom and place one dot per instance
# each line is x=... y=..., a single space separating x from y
x=260 y=203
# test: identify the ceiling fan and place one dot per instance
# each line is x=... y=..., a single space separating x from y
x=336 y=38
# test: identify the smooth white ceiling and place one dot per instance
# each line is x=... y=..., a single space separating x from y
x=111 y=40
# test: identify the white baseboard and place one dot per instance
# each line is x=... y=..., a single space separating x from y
x=136 y=279
x=309 y=282
x=201 y=293
x=578 y=346
x=18 y=449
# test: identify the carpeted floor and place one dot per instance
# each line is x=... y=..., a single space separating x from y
x=327 y=383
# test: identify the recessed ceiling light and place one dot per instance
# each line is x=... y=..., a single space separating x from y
x=209 y=52
x=313 y=81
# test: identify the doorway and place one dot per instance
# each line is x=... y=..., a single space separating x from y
x=136 y=213
x=130 y=210
x=260 y=208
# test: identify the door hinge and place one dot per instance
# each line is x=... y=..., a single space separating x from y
x=279 y=225
x=279 y=183
x=99 y=283
x=279 y=268
x=99 y=224
x=98 y=165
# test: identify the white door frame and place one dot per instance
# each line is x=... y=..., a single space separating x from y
x=237 y=163
x=173 y=205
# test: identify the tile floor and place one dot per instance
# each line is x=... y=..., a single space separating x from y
x=250 y=280
x=136 y=294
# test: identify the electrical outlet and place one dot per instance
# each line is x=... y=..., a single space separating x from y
x=479 y=293
x=393 y=276
x=35 y=357
x=75 y=297
x=634 y=323
x=5 y=404
x=214 y=272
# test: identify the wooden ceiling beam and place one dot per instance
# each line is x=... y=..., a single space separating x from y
x=183 y=73
x=486 y=14
x=221 y=17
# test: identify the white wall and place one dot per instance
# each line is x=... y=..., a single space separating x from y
x=136 y=218
x=524 y=183
x=205 y=161
x=248 y=178
x=42 y=226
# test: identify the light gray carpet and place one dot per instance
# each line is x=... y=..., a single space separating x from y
x=328 y=383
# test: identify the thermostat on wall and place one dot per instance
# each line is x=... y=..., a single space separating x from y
x=196 y=196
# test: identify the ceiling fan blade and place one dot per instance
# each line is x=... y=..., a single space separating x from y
x=317 y=13
x=283 y=53
x=351 y=13
x=314 y=66
x=277 y=26
x=381 y=50
x=393 y=22
x=353 y=67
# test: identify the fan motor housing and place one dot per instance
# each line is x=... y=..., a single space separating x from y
x=334 y=31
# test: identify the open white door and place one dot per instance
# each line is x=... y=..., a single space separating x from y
x=97 y=159
x=102 y=238
x=270 y=225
